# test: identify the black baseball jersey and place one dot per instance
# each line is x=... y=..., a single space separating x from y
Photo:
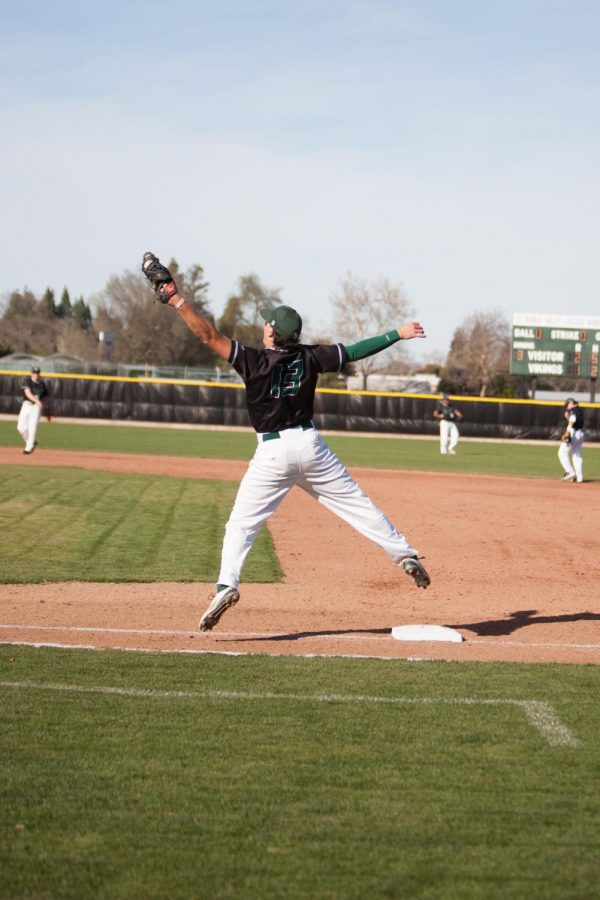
x=38 y=388
x=281 y=384
x=447 y=411
x=577 y=414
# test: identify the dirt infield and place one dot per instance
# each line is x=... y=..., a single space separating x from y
x=513 y=561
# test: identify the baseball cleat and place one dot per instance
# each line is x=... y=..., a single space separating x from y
x=417 y=571
x=568 y=478
x=221 y=602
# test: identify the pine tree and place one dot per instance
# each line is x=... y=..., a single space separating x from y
x=82 y=314
x=46 y=306
x=65 y=309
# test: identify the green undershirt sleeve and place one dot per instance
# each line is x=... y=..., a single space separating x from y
x=370 y=346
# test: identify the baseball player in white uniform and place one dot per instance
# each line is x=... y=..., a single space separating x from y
x=280 y=381
x=448 y=415
x=34 y=392
x=570 y=451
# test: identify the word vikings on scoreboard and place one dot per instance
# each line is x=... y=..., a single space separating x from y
x=555 y=345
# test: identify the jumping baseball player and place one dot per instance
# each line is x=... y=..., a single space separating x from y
x=570 y=451
x=280 y=381
x=34 y=393
x=448 y=416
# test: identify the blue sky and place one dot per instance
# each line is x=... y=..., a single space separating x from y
x=452 y=147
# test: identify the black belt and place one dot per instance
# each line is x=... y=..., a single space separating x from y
x=274 y=435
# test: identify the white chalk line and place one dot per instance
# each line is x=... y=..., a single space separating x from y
x=101 y=630
x=539 y=713
x=264 y=635
x=531 y=644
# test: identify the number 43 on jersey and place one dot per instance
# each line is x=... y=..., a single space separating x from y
x=285 y=381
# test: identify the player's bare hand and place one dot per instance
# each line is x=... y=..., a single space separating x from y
x=411 y=330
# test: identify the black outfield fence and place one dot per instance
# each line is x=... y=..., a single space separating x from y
x=211 y=403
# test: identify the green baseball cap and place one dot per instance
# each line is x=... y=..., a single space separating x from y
x=284 y=320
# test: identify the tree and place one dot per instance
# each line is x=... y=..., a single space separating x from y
x=37 y=326
x=365 y=308
x=65 y=310
x=82 y=315
x=74 y=341
x=20 y=303
x=144 y=330
x=45 y=307
x=26 y=326
x=479 y=354
x=241 y=319
x=191 y=285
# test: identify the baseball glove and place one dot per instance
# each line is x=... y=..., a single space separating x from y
x=159 y=277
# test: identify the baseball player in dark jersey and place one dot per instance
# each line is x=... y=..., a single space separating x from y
x=448 y=415
x=570 y=451
x=34 y=393
x=281 y=379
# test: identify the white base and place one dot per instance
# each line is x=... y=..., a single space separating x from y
x=426 y=633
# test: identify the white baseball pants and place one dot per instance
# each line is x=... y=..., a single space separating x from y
x=571 y=455
x=302 y=458
x=27 y=423
x=448 y=436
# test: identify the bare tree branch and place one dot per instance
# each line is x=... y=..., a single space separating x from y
x=480 y=351
x=364 y=309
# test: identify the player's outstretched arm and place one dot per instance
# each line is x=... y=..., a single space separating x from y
x=202 y=327
x=166 y=291
x=370 y=346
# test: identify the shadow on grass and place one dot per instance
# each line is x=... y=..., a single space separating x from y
x=521 y=619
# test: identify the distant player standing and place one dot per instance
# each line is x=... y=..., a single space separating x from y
x=570 y=451
x=280 y=381
x=34 y=393
x=448 y=416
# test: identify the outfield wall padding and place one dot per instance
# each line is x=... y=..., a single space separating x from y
x=207 y=403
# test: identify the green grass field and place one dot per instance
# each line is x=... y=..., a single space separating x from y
x=539 y=461
x=103 y=526
x=141 y=775
x=135 y=775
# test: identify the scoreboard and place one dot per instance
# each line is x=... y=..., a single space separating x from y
x=559 y=346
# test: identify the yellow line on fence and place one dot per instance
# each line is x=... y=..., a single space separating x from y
x=238 y=386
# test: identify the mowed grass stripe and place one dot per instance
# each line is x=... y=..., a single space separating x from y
x=44 y=503
x=167 y=527
x=540 y=714
x=55 y=525
x=103 y=526
x=122 y=525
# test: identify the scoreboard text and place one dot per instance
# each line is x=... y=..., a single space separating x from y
x=559 y=346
